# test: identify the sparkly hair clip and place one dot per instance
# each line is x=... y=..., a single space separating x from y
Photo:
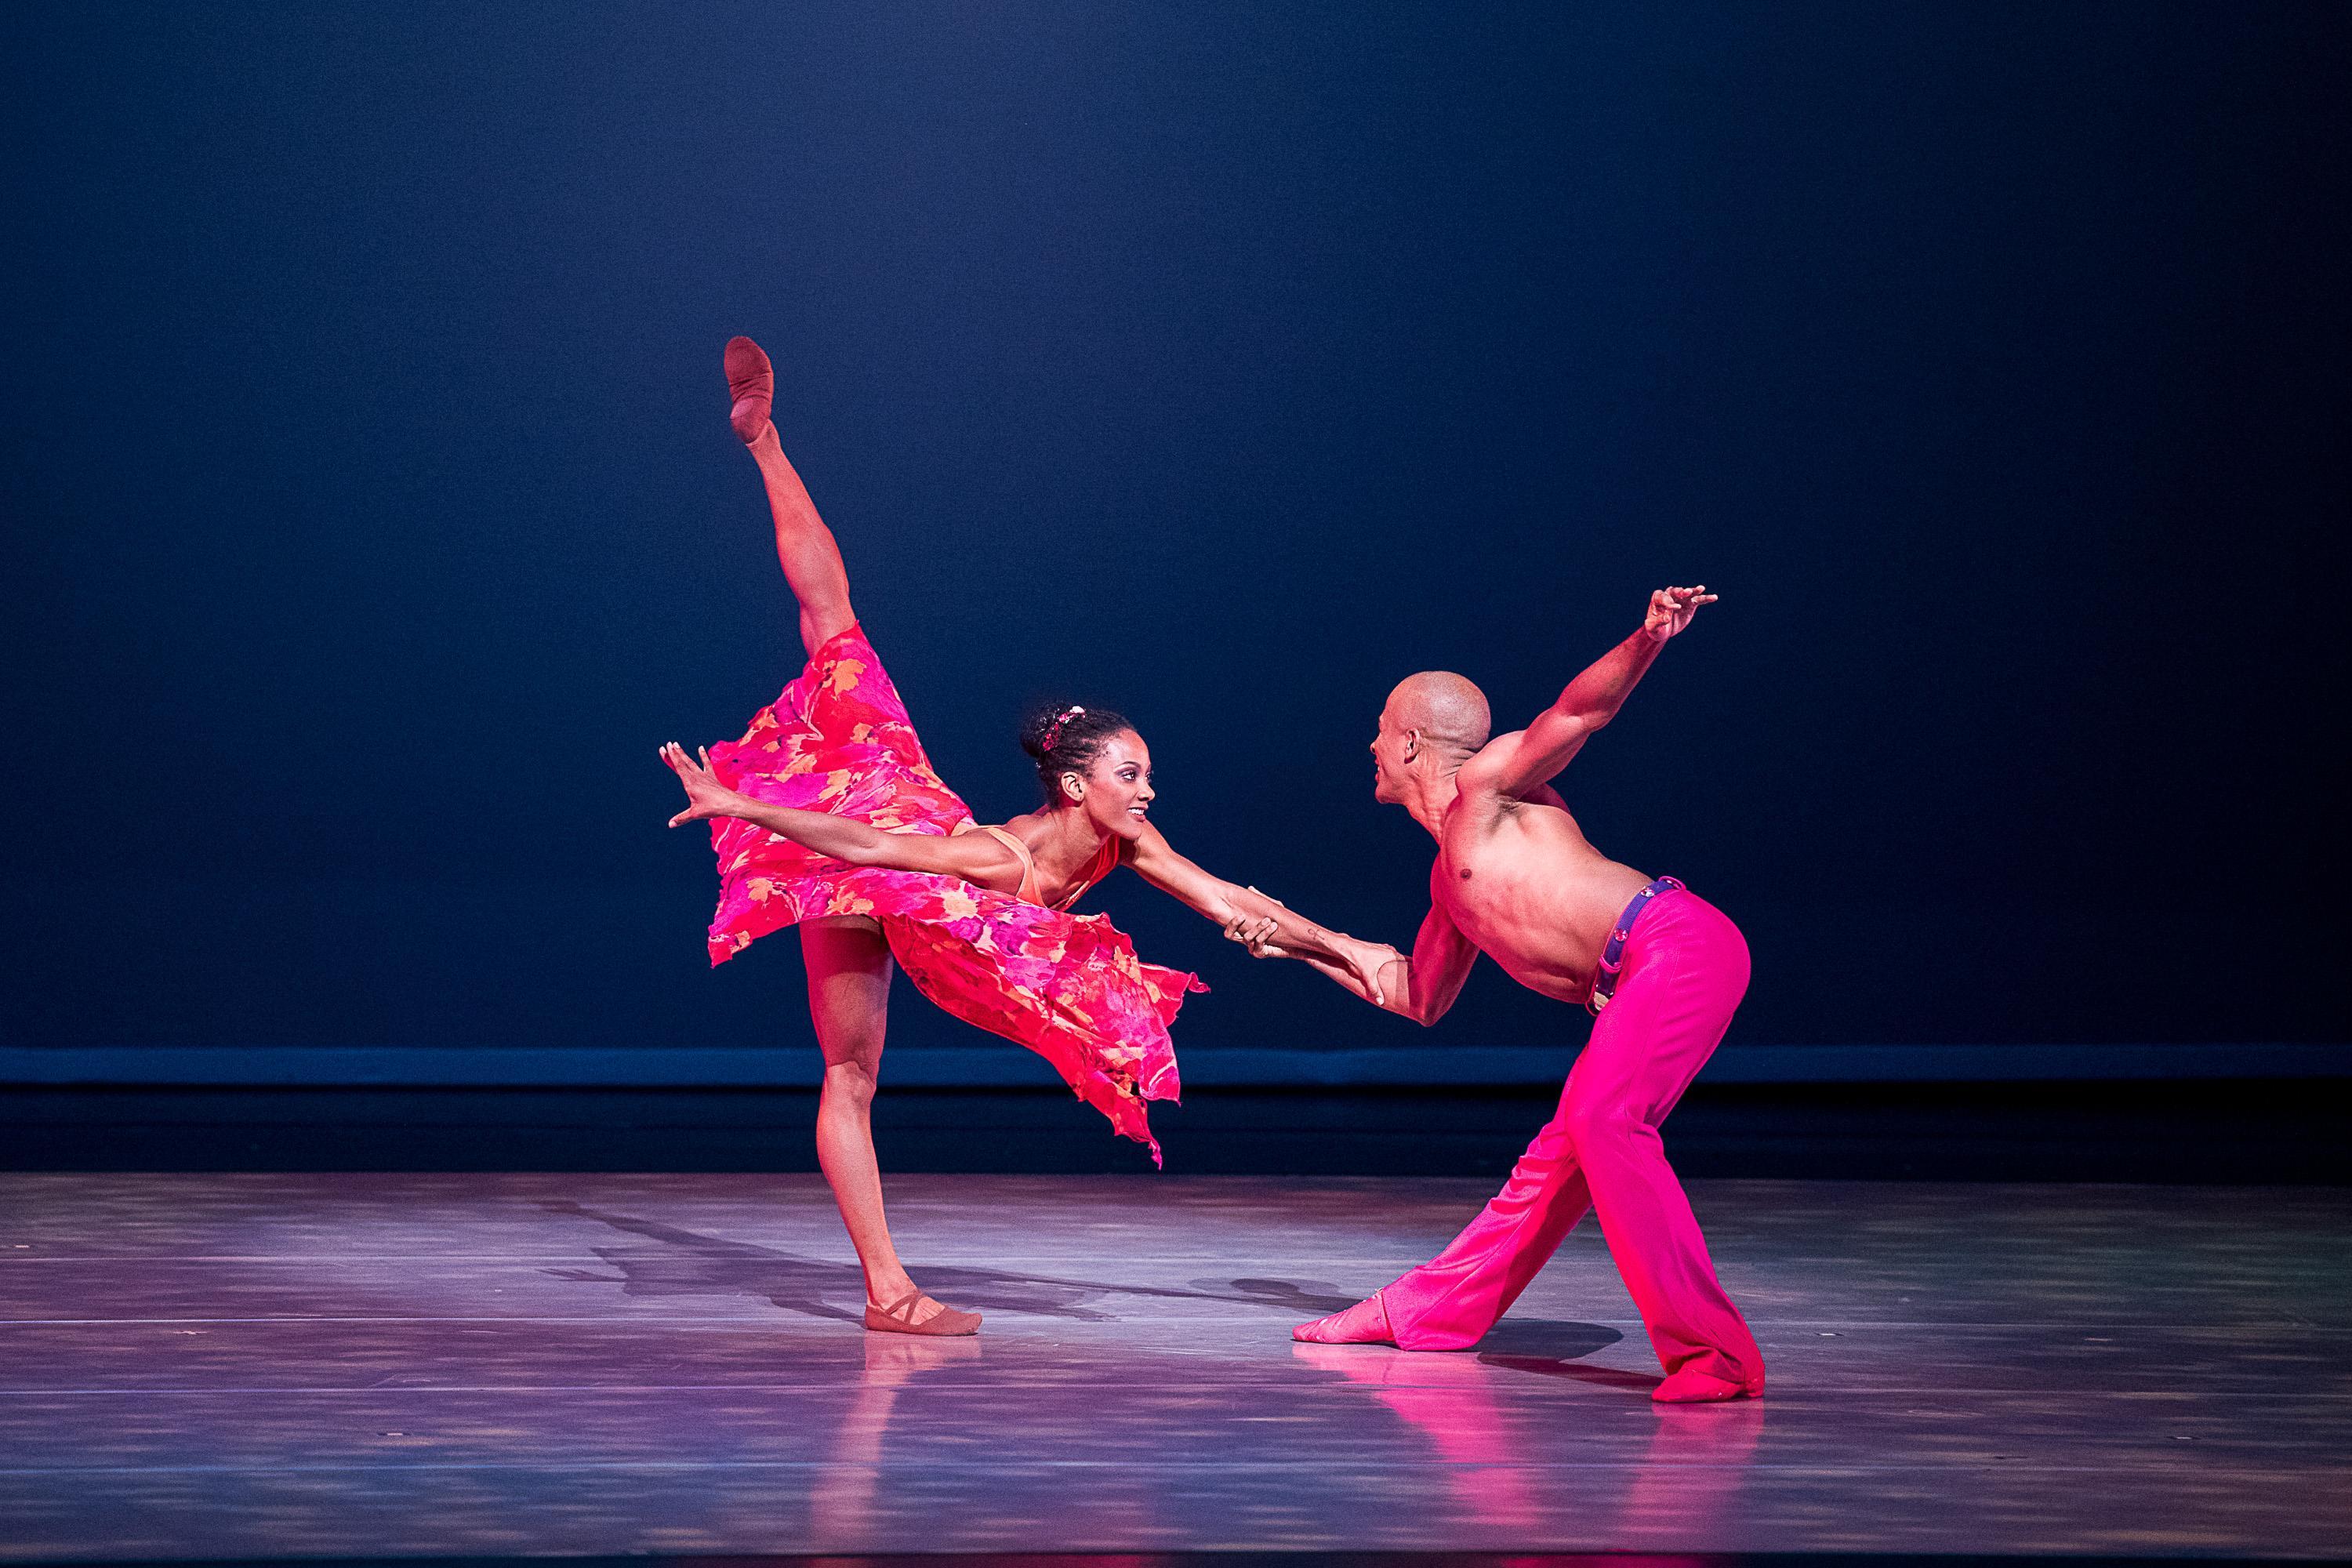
x=1053 y=730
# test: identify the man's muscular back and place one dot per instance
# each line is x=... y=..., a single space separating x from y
x=1520 y=881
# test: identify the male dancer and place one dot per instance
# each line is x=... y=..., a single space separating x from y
x=1662 y=969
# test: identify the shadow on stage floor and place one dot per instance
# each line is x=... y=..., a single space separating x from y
x=486 y=1367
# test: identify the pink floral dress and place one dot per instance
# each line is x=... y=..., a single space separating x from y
x=1068 y=986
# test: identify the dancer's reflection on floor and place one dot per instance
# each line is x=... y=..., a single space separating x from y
x=841 y=1501
x=1451 y=1401
x=1686 y=1485
x=1689 y=1482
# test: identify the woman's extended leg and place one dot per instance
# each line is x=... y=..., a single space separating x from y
x=804 y=546
x=848 y=963
x=849 y=992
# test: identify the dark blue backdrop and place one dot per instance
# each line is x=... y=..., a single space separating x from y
x=372 y=510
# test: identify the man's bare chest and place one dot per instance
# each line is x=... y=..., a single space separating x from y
x=1523 y=884
x=1484 y=878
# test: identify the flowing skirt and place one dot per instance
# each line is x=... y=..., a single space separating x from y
x=1068 y=986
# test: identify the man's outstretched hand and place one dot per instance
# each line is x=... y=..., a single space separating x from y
x=1367 y=959
x=1255 y=932
x=705 y=795
x=1671 y=610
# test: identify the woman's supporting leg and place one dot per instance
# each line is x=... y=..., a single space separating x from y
x=849 y=993
x=804 y=546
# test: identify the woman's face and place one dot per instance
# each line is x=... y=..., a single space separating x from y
x=1118 y=785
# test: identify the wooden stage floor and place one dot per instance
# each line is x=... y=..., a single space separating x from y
x=212 y=1366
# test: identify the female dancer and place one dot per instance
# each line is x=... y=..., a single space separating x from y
x=827 y=813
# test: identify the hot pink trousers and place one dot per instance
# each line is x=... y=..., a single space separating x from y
x=1685 y=969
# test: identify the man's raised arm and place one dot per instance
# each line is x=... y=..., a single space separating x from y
x=1515 y=764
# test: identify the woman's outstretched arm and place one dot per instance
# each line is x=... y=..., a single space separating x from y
x=1420 y=988
x=977 y=857
x=1157 y=862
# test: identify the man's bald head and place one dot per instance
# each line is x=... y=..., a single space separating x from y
x=1448 y=710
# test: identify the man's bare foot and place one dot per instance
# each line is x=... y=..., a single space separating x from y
x=1692 y=1386
x=751 y=382
x=1365 y=1323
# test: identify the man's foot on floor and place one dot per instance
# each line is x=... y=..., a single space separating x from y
x=1692 y=1386
x=1365 y=1323
x=751 y=382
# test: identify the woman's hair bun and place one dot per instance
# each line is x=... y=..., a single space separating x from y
x=1065 y=738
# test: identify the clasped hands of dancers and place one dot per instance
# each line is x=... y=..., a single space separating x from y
x=827 y=815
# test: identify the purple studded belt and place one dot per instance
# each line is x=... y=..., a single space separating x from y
x=1612 y=952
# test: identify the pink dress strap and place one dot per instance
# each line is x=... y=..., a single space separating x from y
x=1031 y=890
x=1032 y=887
